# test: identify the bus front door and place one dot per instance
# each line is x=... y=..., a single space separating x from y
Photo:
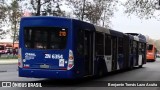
x=88 y=52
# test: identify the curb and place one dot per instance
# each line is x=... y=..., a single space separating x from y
x=10 y=61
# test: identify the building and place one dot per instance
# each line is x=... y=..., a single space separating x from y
x=9 y=44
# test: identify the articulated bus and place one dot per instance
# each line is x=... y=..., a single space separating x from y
x=63 y=48
x=151 y=52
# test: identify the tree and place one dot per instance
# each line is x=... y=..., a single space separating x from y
x=157 y=44
x=14 y=14
x=78 y=7
x=3 y=10
x=142 y=8
x=151 y=41
x=36 y=5
x=2 y=33
x=47 y=7
x=94 y=11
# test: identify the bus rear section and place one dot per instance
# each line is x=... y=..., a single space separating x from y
x=45 y=48
x=151 y=52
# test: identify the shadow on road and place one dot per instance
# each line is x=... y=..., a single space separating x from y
x=83 y=82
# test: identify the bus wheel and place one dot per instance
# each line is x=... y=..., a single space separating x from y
x=130 y=67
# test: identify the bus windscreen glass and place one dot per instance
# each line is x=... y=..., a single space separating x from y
x=150 y=47
x=45 y=37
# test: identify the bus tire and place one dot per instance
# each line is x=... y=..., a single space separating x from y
x=140 y=66
x=131 y=66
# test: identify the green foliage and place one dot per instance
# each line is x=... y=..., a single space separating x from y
x=3 y=10
x=6 y=57
x=94 y=11
x=47 y=7
x=157 y=44
x=142 y=8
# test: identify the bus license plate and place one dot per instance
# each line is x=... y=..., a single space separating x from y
x=44 y=66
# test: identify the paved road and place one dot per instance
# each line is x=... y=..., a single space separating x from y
x=149 y=72
x=8 y=68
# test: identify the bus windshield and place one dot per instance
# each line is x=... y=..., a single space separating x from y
x=45 y=37
x=150 y=47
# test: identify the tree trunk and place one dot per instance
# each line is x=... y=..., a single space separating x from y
x=38 y=8
x=15 y=31
x=83 y=9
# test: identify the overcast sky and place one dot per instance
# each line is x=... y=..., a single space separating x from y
x=121 y=22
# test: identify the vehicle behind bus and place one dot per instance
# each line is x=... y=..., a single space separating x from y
x=2 y=49
x=151 y=52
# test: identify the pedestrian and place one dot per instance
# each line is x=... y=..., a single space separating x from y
x=8 y=52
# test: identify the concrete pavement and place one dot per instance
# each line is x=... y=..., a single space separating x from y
x=8 y=61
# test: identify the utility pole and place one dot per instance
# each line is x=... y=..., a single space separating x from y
x=83 y=9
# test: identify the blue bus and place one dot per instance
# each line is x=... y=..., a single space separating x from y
x=63 y=48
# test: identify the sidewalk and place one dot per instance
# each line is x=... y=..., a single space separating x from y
x=9 y=61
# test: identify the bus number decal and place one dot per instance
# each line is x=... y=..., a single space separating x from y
x=47 y=55
x=54 y=56
x=57 y=56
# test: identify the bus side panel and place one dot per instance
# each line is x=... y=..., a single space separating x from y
x=78 y=48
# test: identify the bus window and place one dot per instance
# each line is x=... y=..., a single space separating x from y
x=140 y=48
x=150 y=47
x=120 y=45
x=107 y=45
x=80 y=42
x=131 y=47
x=45 y=37
x=134 y=47
x=99 y=45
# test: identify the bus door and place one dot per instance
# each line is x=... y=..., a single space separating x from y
x=88 y=52
x=131 y=54
x=121 y=59
x=114 y=53
x=140 y=54
x=135 y=53
x=126 y=52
